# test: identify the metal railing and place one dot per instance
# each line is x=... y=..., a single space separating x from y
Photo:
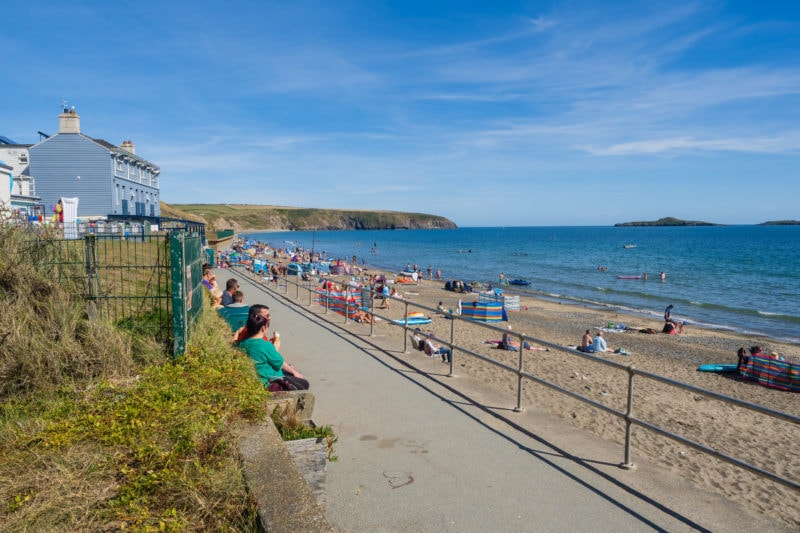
x=627 y=416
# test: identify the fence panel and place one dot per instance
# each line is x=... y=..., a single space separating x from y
x=187 y=296
x=128 y=283
x=133 y=283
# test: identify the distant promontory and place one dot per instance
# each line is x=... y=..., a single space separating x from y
x=667 y=221
x=249 y=218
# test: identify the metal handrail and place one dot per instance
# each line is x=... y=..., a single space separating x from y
x=627 y=416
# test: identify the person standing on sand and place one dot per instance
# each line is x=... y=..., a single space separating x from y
x=386 y=293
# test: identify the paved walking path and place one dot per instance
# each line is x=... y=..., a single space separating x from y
x=415 y=455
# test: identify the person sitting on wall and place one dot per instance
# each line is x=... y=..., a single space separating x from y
x=238 y=300
x=257 y=309
x=269 y=363
x=216 y=298
x=231 y=286
x=207 y=277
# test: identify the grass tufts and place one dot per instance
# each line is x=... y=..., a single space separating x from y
x=108 y=431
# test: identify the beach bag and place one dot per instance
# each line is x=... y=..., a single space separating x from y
x=280 y=385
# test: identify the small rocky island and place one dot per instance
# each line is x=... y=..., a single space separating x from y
x=781 y=223
x=667 y=221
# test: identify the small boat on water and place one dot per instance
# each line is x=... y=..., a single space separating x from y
x=628 y=246
x=629 y=277
x=518 y=282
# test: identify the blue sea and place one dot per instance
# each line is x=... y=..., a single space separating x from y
x=742 y=278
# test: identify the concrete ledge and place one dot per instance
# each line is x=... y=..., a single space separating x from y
x=299 y=402
x=285 y=501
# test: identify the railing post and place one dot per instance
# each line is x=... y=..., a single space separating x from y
x=297 y=290
x=371 y=312
x=405 y=326
x=327 y=296
x=626 y=463
x=520 y=368
x=452 y=329
x=346 y=302
x=91 y=274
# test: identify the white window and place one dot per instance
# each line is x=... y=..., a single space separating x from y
x=23 y=158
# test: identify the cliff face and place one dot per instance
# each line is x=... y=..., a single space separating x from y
x=244 y=218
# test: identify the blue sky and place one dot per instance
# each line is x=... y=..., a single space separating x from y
x=489 y=113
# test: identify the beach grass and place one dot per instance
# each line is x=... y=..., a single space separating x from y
x=100 y=429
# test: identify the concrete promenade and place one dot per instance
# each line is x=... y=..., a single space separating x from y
x=419 y=451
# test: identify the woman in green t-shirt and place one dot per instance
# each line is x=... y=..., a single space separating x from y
x=269 y=364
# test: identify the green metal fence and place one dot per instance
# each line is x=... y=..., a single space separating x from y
x=187 y=295
x=150 y=284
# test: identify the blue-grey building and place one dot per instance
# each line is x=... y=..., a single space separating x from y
x=106 y=179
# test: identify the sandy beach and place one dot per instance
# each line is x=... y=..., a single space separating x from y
x=755 y=438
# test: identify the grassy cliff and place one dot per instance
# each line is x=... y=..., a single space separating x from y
x=240 y=217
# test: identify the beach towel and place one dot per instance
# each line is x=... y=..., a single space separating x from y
x=70 y=211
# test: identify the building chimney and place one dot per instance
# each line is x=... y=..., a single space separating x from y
x=69 y=121
x=128 y=147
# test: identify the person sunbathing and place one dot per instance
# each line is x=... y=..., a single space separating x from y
x=510 y=343
x=362 y=317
